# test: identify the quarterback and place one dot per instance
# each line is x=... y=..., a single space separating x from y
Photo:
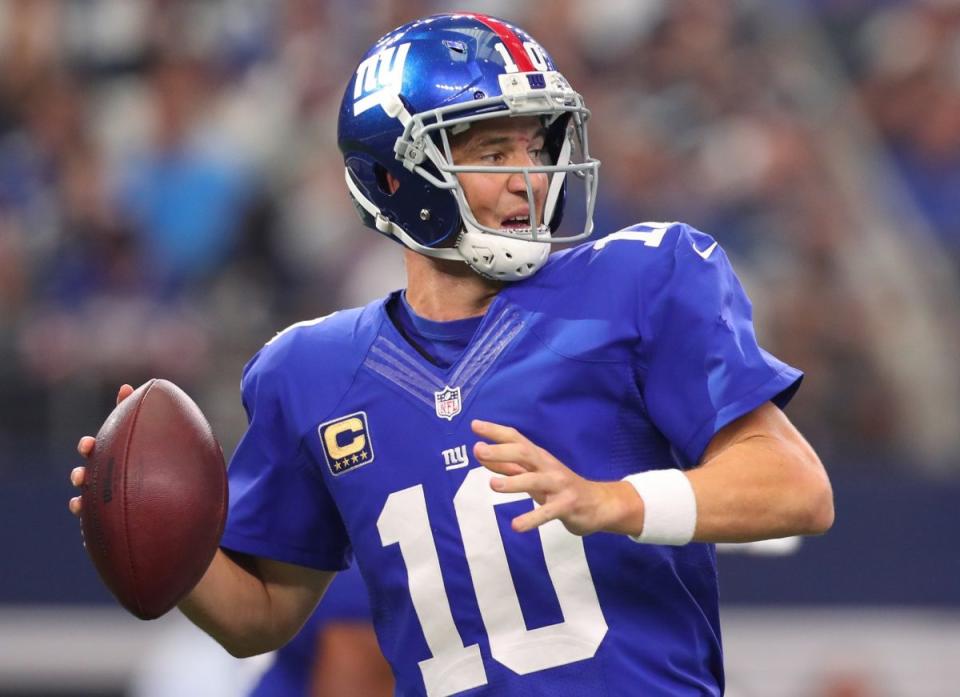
x=527 y=455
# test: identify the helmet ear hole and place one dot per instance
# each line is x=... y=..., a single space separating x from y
x=383 y=183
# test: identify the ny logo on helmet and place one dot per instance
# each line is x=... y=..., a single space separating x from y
x=379 y=76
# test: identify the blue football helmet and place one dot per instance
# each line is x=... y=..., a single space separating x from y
x=429 y=80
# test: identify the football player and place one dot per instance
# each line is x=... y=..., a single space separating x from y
x=529 y=456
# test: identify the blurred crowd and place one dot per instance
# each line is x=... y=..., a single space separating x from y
x=171 y=193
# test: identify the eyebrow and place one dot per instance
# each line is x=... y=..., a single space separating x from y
x=487 y=141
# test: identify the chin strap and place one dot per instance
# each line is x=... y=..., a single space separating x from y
x=503 y=258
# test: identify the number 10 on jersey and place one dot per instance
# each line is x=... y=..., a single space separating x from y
x=452 y=666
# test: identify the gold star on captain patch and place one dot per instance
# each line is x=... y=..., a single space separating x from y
x=339 y=465
x=363 y=454
x=355 y=459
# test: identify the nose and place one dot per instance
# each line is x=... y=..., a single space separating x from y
x=517 y=182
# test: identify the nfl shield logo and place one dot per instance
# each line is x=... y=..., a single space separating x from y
x=448 y=402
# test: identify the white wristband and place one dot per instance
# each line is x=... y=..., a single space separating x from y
x=669 y=507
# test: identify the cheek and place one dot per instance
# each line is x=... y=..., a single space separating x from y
x=540 y=183
x=480 y=190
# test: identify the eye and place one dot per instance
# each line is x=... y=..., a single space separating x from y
x=492 y=157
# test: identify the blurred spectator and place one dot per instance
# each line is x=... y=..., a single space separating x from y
x=335 y=654
x=913 y=96
x=187 y=197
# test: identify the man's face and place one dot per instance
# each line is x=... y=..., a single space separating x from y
x=501 y=200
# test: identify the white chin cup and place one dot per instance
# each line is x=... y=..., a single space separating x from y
x=503 y=258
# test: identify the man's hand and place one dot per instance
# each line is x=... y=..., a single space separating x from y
x=85 y=447
x=583 y=506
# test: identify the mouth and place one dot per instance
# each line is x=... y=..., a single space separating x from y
x=516 y=222
x=518 y=227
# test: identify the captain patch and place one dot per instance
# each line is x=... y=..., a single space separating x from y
x=346 y=442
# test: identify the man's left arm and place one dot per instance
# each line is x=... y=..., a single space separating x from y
x=758 y=479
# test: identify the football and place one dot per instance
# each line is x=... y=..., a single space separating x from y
x=154 y=500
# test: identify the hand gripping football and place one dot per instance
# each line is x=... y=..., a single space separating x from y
x=154 y=499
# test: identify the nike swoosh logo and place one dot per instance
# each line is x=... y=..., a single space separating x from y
x=706 y=252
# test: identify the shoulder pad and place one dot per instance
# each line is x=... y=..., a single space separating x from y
x=324 y=351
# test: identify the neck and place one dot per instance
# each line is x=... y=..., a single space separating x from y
x=443 y=290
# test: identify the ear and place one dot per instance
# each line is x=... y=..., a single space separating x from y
x=392 y=183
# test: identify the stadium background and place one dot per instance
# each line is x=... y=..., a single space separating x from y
x=171 y=195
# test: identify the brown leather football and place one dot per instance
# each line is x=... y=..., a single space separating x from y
x=154 y=499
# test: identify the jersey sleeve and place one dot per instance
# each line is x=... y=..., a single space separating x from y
x=700 y=364
x=279 y=506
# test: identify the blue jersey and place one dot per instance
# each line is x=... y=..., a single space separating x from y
x=619 y=356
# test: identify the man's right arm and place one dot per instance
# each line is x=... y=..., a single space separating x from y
x=252 y=605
